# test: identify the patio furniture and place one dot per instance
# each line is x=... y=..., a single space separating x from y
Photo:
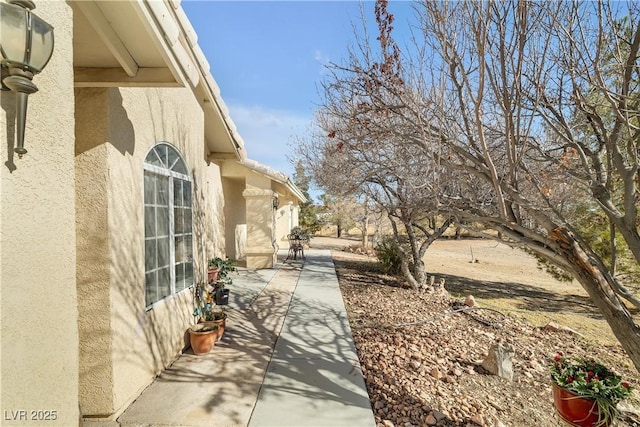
x=296 y=247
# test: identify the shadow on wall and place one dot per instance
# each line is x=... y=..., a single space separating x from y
x=129 y=339
x=160 y=333
x=96 y=208
x=122 y=136
x=101 y=118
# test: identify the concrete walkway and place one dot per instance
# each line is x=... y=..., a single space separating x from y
x=287 y=359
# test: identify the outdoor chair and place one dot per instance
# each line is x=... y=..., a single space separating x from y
x=296 y=247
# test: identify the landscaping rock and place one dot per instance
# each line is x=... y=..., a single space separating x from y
x=556 y=327
x=499 y=361
x=452 y=346
x=430 y=420
x=435 y=373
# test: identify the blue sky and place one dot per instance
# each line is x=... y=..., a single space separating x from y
x=268 y=58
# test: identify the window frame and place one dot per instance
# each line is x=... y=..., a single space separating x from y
x=167 y=171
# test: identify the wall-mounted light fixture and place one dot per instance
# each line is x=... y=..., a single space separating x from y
x=276 y=202
x=26 y=45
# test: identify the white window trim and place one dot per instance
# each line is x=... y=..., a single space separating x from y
x=172 y=244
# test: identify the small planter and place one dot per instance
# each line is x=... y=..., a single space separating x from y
x=203 y=337
x=212 y=274
x=220 y=323
x=222 y=296
x=576 y=410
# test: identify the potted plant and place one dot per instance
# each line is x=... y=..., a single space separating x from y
x=586 y=393
x=218 y=268
x=212 y=272
x=205 y=311
x=225 y=267
x=203 y=337
x=203 y=300
x=216 y=317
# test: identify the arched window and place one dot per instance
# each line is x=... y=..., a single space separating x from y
x=168 y=237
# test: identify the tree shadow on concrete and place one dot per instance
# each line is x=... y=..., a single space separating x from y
x=315 y=366
x=314 y=358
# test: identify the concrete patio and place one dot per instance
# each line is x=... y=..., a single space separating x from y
x=287 y=359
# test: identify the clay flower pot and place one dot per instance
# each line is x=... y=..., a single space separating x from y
x=576 y=410
x=220 y=323
x=212 y=274
x=203 y=337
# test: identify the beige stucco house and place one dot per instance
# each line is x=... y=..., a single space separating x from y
x=257 y=232
x=135 y=175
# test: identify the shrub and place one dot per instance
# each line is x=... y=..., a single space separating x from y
x=389 y=255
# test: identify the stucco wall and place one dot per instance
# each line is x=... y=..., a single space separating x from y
x=235 y=218
x=284 y=221
x=260 y=227
x=92 y=235
x=145 y=341
x=39 y=333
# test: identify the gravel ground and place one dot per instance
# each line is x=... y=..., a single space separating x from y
x=429 y=373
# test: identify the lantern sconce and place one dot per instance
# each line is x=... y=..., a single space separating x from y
x=276 y=202
x=26 y=45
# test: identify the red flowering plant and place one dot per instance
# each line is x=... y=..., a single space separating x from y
x=590 y=379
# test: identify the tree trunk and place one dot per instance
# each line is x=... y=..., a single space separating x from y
x=416 y=276
x=404 y=267
x=598 y=283
x=365 y=232
x=613 y=248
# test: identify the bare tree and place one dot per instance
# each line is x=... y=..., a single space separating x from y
x=357 y=151
x=511 y=96
x=514 y=114
x=342 y=212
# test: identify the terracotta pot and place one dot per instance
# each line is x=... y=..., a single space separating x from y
x=221 y=325
x=203 y=337
x=576 y=410
x=212 y=274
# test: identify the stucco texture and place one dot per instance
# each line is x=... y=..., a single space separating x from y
x=235 y=218
x=39 y=334
x=260 y=251
x=133 y=343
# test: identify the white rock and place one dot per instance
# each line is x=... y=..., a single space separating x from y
x=499 y=361
x=470 y=301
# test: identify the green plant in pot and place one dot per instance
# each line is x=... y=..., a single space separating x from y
x=225 y=267
x=203 y=301
x=585 y=392
x=205 y=308
x=219 y=318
